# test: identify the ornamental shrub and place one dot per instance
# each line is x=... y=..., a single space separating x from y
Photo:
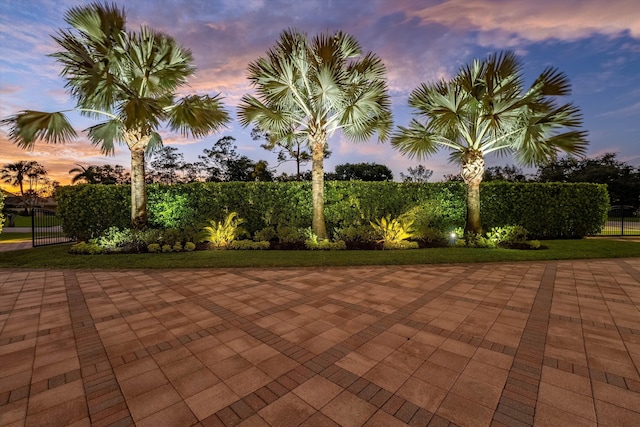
x=546 y=210
x=245 y=245
x=1 y=210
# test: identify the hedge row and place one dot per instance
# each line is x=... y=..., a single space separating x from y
x=547 y=210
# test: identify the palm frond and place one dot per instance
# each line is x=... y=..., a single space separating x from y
x=198 y=115
x=158 y=64
x=26 y=127
x=142 y=114
x=278 y=122
x=105 y=135
x=99 y=22
x=552 y=82
x=415 y=141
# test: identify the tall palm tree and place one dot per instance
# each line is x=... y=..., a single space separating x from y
x=90 y=174
x=23 y=171
x=313 y=88
x=130 y=79
x=484 y=109
x=16 y=173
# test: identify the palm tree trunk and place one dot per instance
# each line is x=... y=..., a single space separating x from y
x=317 y=186
x=138 y=189
x=472 y=173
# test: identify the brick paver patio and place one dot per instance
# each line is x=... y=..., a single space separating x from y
x=545 y=343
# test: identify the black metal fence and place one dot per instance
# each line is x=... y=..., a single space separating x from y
x=46 y=228
x=623 y=220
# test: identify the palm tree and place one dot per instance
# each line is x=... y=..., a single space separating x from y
x=131 y=79
x=90 y=174
x=313 y=88
x=17 y=173
x=484 y=109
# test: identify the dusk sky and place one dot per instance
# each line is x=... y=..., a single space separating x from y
x=595 y=42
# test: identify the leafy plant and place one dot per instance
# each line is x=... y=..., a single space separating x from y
x=508 y=234
x=221 y=233
x=265 y=234
x=189 y=246
x=154 y=248
x=119 y=240
x=325 y=245
x=359 y=233
x=84 y=248
x=243 y=245
x=288 y=234
x=393 y=231
x=404 y=244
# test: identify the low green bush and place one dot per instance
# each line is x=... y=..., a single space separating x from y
x=84 y=248
x=1 y=210
x=245 y=245
x=325 y=245
x=402 y=244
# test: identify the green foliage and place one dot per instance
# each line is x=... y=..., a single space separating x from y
x=325 y=245
x=288 y=234
x=117 y=240
x=355 y=233
x=393 y=231
x=265 y=234
x=546 y=210
x=244 y=245
x=154 y=248
x=189 y=246
x=84 y=248
x=88 y=210
x=167 y=248
x=403 y=244
x=1 y=211
x=221 y=233
x=508 y=234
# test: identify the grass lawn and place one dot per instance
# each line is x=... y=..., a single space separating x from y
x=14 y=237
x=25 y=221
x=57 y=256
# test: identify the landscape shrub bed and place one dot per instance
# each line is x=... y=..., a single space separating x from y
x=546 y=210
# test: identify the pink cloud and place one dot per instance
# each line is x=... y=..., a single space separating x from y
x=533 y=21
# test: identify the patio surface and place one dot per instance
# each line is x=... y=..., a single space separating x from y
x=544 y=343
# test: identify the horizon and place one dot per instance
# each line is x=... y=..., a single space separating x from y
x=597 y=45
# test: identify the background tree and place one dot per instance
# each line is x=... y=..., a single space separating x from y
x=166 y=166
x=292 y=149
x=89 y=174
x=223 y=163
x=131 y=78
x=504 y=173
x=18 y=174
x=417 y=174
x=363 y=172
x=312 y=88
x=622 y=179
x=484 y=109
x=100 y=174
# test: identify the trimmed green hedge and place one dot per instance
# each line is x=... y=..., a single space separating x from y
x=546 y=210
